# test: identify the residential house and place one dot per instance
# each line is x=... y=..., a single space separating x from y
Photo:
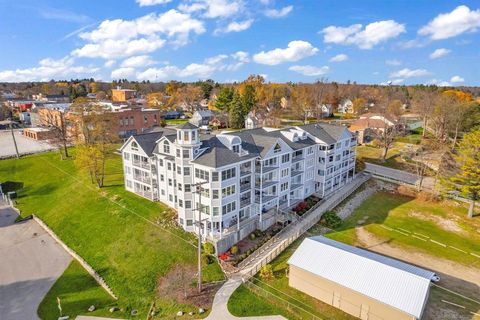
x=201 y=118
x=359 y=282
x=345 y=106
x=411 y=121
x=369 y=125
x=236 y=182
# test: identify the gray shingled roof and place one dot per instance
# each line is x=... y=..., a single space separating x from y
x=147 y=141
x=217 y=154
x=188 y=126
x=327 y=132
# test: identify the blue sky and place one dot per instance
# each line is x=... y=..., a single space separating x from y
x=405 y=42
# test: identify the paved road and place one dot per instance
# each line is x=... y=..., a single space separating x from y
x=30 y=262
x=399 y=175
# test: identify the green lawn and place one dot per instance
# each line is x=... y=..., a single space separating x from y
x=110 y=228
x=176 y=121
x=444 y=222
x=391 y=210
x=86 y=292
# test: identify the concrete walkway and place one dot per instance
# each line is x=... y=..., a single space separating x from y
x=219 y=306
x=399 y=175
x=30 y=263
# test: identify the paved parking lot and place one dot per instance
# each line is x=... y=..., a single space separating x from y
x=25 y=145
x=30 y=262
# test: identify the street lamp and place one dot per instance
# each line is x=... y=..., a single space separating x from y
x=10 y=122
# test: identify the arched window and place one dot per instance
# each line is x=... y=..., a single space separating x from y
x=134 y=146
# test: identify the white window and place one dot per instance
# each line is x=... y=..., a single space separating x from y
x=201 y=174
x=228 y=174
x=229 y=207
x=166 y=147
x=284 y=186
x=227 y=191
x=126 y=155
x=285 y=158
x=284 y=173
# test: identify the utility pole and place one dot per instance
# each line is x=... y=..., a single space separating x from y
x=198 y=189
x=10 y=123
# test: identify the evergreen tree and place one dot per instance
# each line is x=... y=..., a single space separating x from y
x=467 y=180
x=224 y=99
x=248 y=99
x=236 y=114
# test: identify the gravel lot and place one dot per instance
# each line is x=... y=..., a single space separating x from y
x=25 y=145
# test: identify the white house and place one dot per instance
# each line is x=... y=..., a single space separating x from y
x=245 y=176
x=345 y=106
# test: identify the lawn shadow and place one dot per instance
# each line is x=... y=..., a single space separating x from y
x=9 y=186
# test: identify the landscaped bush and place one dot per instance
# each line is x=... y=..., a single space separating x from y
x=331 y=220
x=266 y=273
x=224 y=256
x=207 y=259
x=234 y=250
x=427 y=197
x=252 y=236
x=301 y=208
x=208 y=248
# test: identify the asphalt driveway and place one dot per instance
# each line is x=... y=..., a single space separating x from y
x=30 y=262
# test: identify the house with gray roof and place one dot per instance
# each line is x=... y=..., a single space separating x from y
x=236 y=182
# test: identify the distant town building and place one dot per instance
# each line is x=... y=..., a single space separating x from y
x=122 y=95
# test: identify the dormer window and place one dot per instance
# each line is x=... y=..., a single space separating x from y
x=185 y=136
x=277 y=148
x=166 y=147
x=134 y=146
x=236 y=148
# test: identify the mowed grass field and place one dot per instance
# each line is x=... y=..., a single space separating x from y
x=114 y=230
x=445 y=222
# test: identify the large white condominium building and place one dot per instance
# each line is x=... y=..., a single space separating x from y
x=237 y=182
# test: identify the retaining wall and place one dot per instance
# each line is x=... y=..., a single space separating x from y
x=77 y=257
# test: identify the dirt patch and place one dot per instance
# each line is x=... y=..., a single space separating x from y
x=454 y=276
x=179 y=285
x=445 y=224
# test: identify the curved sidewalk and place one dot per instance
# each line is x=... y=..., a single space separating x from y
x=219 y=306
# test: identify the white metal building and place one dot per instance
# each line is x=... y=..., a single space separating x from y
x=362 y=283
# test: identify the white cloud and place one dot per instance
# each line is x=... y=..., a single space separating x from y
x=439 y=83
x=119 y=48
x=408 y=73
x=295 y=51
x=438 y=53
x=339 y=58
x=456 y=79
x=123 y=73
x=138 y=61
x=241 y=56
x=194 y=70
x=278 y=13
x=394 y=82
x=310 y=71
x=121 y=38
x=393 y=62
x=373 y=33
x=447 y=25
x=414 y=43
x=213 y=8
x=109 y=63
x=48 y=69
x=144 y=3
x=235 y=26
